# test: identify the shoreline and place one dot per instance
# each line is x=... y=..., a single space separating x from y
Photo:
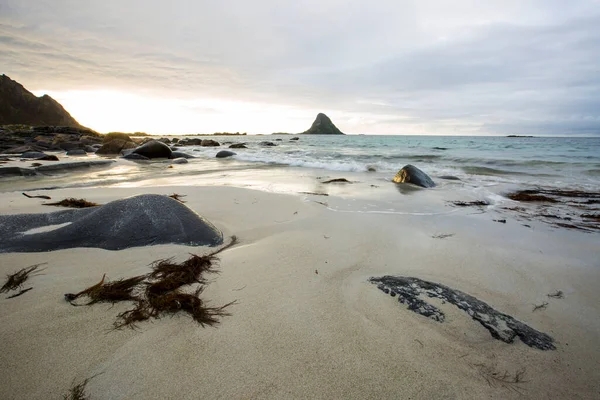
x=308 y=322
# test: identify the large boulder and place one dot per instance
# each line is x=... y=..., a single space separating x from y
x=225 y=154
x=143 y=220
x=209 y=143
x=134 y=156
x=238 y=146
x=411 y=174
x=33 y=154
x=77 y=152
x=179 y=154
x=154 y=149
x=115 y=147
x=116 y=136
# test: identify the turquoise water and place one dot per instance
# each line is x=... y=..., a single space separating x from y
x=544 y=160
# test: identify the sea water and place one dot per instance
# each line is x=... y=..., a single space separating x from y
x=487 y=169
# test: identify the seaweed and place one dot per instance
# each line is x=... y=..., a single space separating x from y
x=337 y=180
x=111 y=292
x=495 y=377
x=177 y=197
x=21 y=292
x=556 y=295
x=15 y=281
x=530 y=195
x=36 y=197
x=73 y=203
x=78 y=392
x=476 y=203
x=159 y=292
x=443 y=235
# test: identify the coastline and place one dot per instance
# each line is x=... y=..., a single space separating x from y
x=298 y=333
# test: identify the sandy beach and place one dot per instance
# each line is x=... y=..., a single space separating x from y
x=307 y=322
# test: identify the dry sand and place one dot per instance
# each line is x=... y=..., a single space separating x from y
x=307 y=323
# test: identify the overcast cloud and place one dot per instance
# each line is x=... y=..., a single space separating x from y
x=379 y=66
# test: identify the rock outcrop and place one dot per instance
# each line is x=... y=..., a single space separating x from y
x=411 y=174
x=154 y=149
x=225 y=154
x=143 y=220
x=20 y=106
x=323 y=126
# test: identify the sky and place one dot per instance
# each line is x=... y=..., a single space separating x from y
x=460 y=67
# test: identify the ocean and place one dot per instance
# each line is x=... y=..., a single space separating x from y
x=488 y=170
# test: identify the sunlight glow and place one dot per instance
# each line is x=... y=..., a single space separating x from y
x=107 y=111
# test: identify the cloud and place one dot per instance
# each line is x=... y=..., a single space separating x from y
x=382 y=66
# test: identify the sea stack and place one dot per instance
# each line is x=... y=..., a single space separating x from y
x=323 y=126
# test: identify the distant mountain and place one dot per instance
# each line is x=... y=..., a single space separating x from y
x=323 y=126
x=20 y=106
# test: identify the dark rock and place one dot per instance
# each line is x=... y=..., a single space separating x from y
x=190 y=142
x=209 y=143
x=90 y=149
x=77 y=152
x=164 y=140
x=19 y=106
x=412 y=174
x=501 y=326
x=179 y=154
x=67 y=146
x=278 y=140
x=16 y=171
x=135 y=156
x=89 y=140
x=267 y=144
x=175 y=140
x=238 y=146
x=295 y=138
x=154 y=149
x=180 y=160
x=48 y=157
x=33 y=154
x=449 y=178
x=135 y=221
x=115 y=147
x=73 y=165
x=109 y=137
x=225 y=154
x=22 y=149
x=322 y=126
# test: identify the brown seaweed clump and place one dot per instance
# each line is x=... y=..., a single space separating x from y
x=337 y=180
x=77 y=392
x=160 y=292
x=73 y=203
x=530 y=196
x=16 y=280
x=177 y=197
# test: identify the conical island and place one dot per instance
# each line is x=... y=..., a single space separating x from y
x=323 y=126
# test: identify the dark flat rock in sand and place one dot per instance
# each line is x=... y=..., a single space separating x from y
x=16 y=171
x=143 y=220
x=501 y=326
x=73 y=165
